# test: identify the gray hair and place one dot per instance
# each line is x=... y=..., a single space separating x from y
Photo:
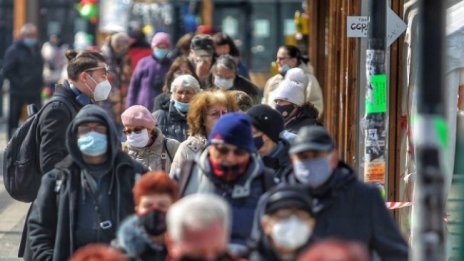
x=186 y=81
x=225 y=61
x=197 y=211
x=25 y=29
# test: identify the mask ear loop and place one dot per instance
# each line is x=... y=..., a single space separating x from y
x=90 y=89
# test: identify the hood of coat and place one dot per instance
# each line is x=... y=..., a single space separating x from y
x=131 y=236
x=92 y=113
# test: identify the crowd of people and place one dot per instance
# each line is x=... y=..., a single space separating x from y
x=170 y=152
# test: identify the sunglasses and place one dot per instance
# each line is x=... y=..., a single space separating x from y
x=225 y=151
x=136 y=130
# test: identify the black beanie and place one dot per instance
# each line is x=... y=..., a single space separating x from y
x=267 y=120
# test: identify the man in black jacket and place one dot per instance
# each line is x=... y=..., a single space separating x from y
x=84 y=69
x=88 y=194
x=345 y=207
x=23 y=66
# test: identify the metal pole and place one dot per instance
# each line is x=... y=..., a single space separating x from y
x=376 y=117
x=429 y=136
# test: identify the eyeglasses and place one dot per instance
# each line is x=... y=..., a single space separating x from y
x=216 y=114
x=86 y=129
x=105 y=68
x=225 y=151
x=278 y=59
x=136 y=130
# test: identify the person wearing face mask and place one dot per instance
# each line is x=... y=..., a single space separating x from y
x=77 y=91
x=87 y=195
x=172 y=117
x=224 y=76
x=23 y=66
x=198 y=229
x=141 y=236
x=267 y=127
x=230 y=167
x=205 y=109
x=149 y=74
x=145 y=142
x=289 y=57
x=348 y=208
x=289 y=102
x=115 y=51
x=284 y=225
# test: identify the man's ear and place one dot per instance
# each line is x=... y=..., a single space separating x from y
x=266 y=223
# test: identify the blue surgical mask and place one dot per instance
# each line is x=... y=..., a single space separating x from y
x=160 y=53
x=284 y=69
x=181 y=106
x=93 y=144
x=30 y=42
x=313 y=172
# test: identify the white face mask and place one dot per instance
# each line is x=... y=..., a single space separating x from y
x=291 y=233
x=138 y=140
x=102 y=90
x=223 y=83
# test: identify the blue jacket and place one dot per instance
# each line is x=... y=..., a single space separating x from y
x=242 y=195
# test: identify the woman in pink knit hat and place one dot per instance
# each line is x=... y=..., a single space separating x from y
x=148 y=77
x=145 y=142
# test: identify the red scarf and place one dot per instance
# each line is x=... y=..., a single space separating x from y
x=230 y=174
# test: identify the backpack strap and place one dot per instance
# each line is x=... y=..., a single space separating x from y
x=185 y=174
x=165 y=143
x=163 y=155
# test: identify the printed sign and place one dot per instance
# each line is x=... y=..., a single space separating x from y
x=357 y=26
x=377 y=101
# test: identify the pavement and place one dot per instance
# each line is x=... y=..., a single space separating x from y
x=12 y=212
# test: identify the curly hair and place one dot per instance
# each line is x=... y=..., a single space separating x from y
x=200 y=104
x=155 y=182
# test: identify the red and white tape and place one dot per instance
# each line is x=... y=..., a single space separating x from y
x=396 y=205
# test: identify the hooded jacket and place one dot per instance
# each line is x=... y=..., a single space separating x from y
x=171 y=122
x=313 y=89
x=53 y=219
x=162 y=150
x=243 y=194
x=349 y=209
x=136 y=243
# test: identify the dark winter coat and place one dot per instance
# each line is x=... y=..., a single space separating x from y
x=306 y=116
x=242 y=195
x=23 y=66
x=53 y=218
x=240 y=84
x=350 y=209
x=171 y=122
x=137 y=245
x=147 y=81
x=279 y=161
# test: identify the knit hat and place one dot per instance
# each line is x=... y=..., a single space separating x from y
x=297 y=75
x=267 y=120
x=187 y=81
x=160 y=38
x=290 y=91
x=234 y=129
x=202 y=45
x=138 y=115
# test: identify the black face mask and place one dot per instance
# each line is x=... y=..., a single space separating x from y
x=154 y=222
x=258 y=141
x=222 y=257
x=285 y=110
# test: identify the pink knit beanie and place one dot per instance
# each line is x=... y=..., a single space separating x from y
x=161 y=38
x=138 y=115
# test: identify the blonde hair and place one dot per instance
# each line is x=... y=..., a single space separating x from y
x=200 y=104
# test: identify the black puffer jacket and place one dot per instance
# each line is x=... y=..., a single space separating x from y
x=350 y=209
x=53 y=218
x=23 y=66
x=171 y=122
